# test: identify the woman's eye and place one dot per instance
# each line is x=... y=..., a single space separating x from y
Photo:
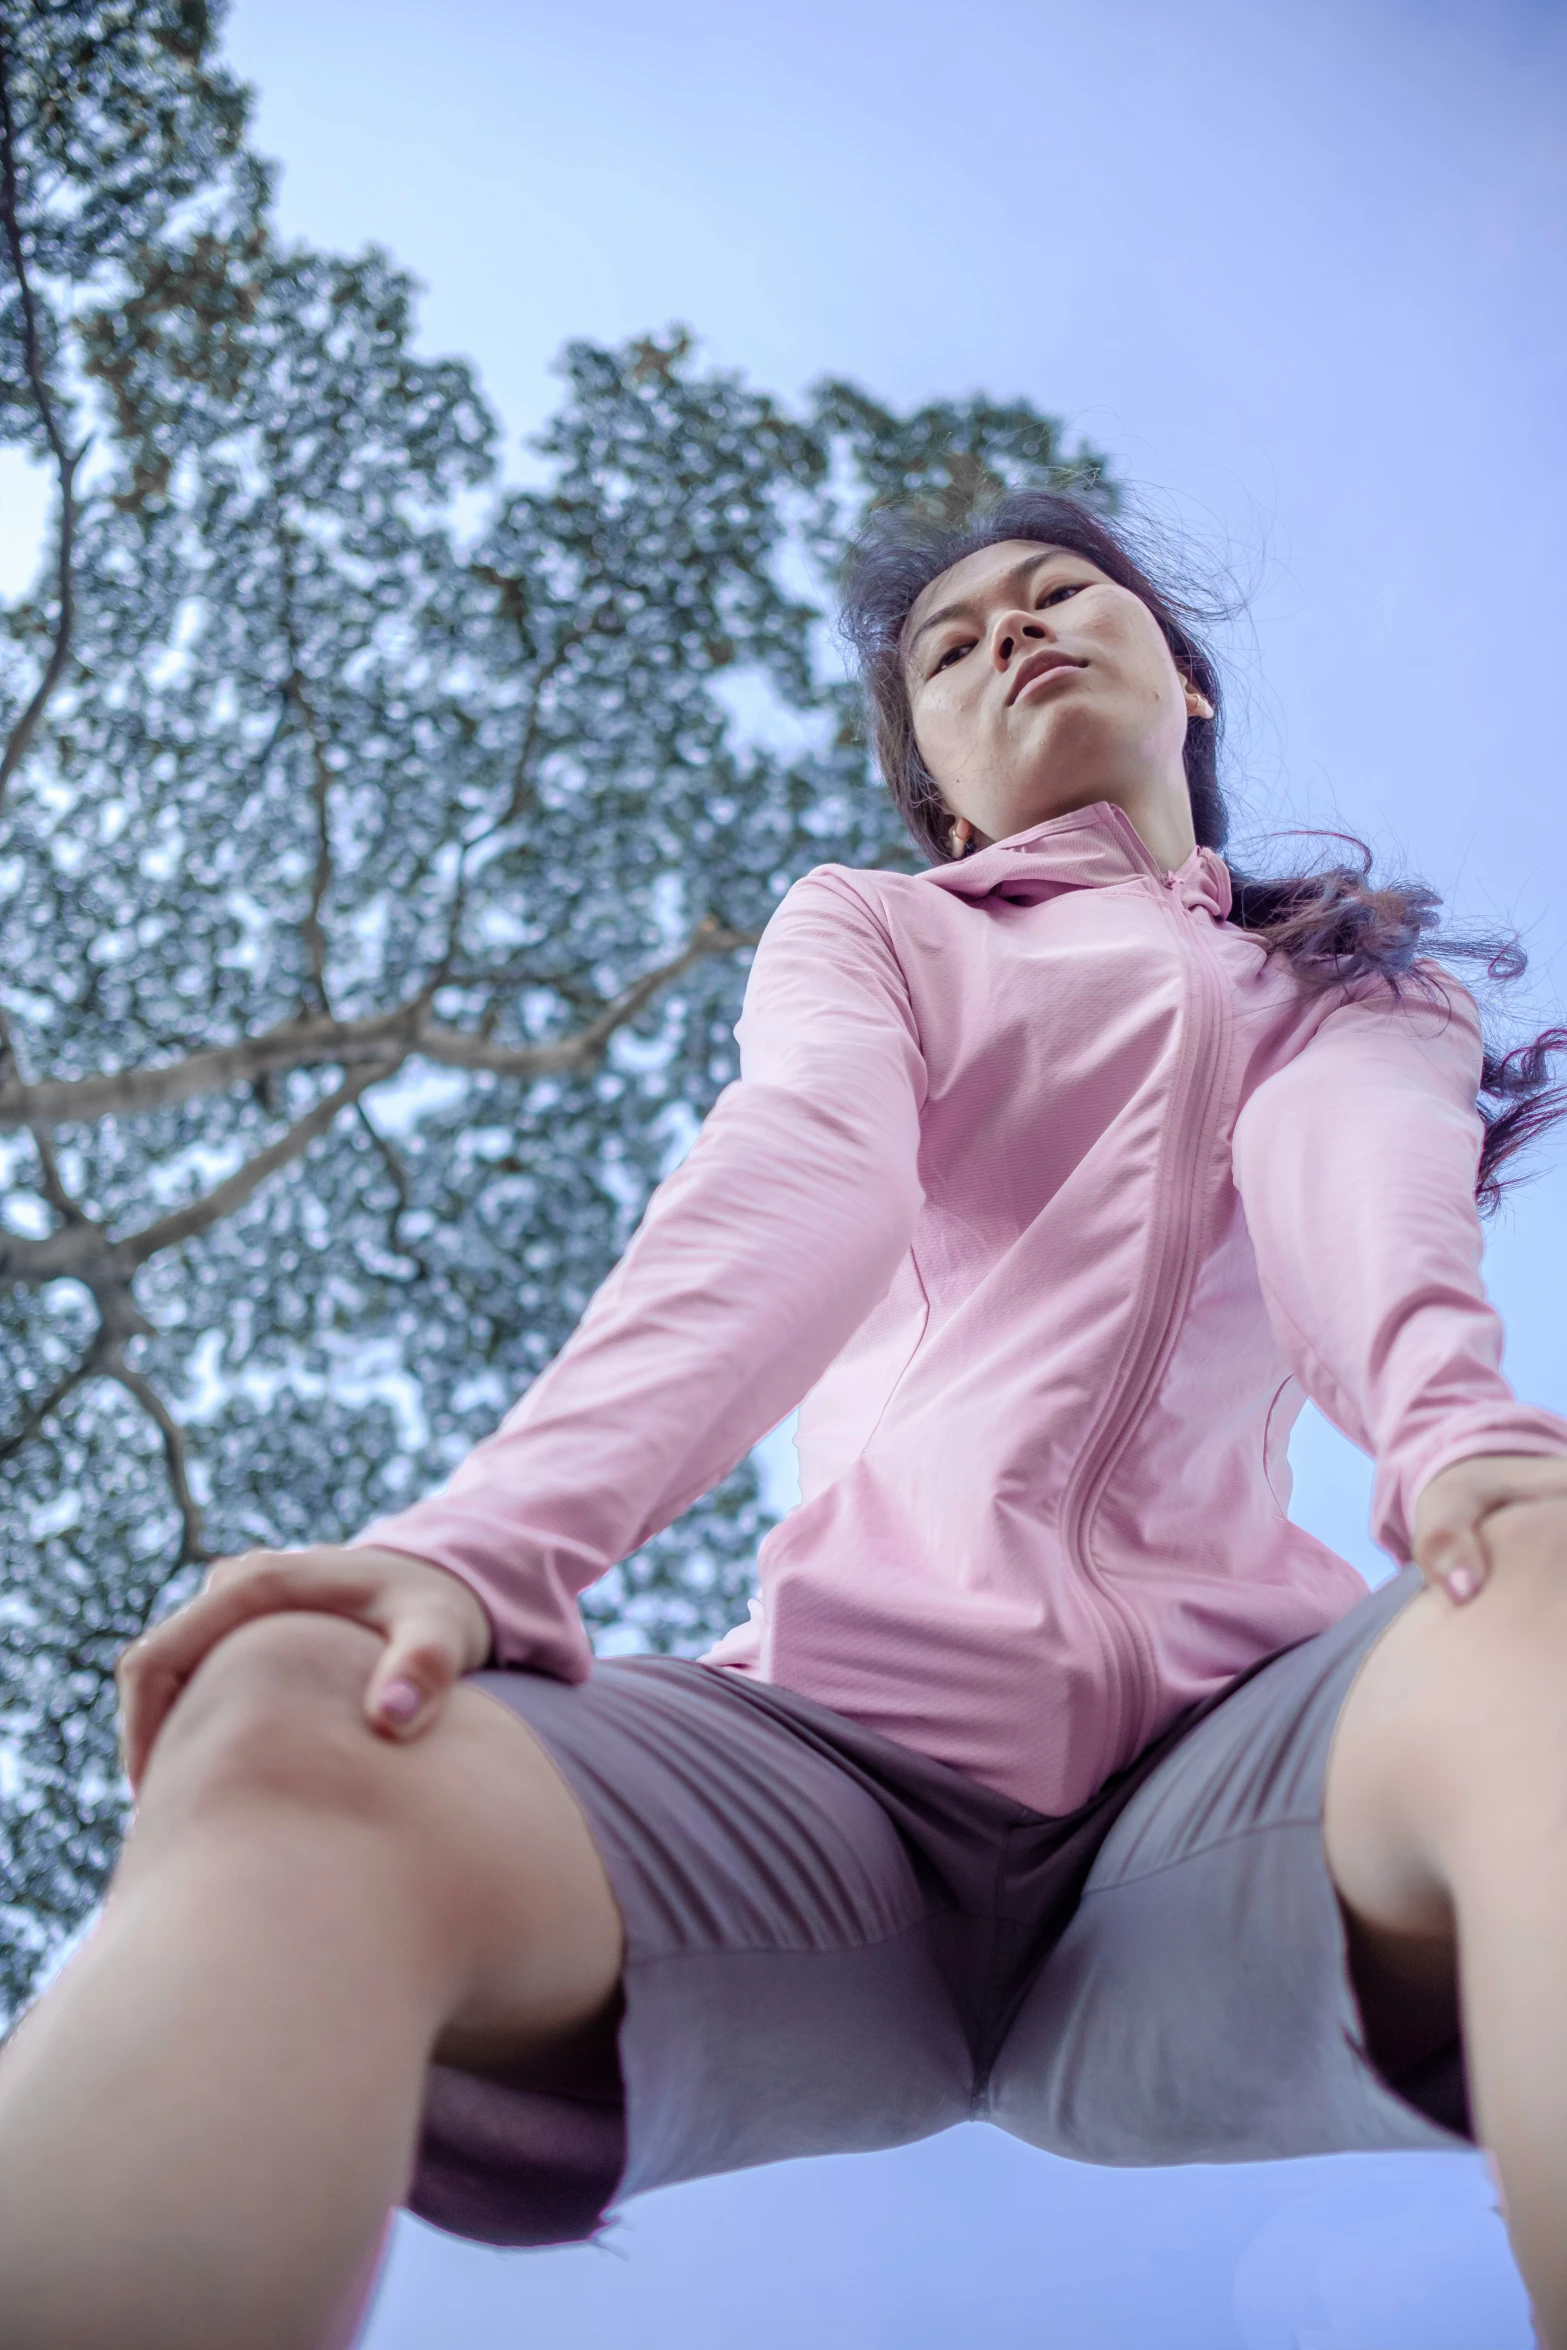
x=952 y=653
x=1068 y=587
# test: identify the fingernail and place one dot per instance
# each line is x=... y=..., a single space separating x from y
x=399 y=1701
x=1462 y=1584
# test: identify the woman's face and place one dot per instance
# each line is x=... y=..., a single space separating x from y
x=1038 y=685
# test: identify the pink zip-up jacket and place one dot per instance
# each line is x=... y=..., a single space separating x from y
x=1049 y=1194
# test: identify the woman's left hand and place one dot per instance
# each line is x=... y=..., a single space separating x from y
x=1454 y=1514
x=433 y=1627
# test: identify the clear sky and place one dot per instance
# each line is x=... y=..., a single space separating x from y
x=1301 y=271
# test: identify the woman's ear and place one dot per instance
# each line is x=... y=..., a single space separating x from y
x=1197 y=702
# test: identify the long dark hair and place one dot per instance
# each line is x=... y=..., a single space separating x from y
x=1331 y=926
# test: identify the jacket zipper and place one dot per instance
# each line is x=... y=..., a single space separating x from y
x=1178 y=1206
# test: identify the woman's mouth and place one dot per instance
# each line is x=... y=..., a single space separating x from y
x=1041 y=670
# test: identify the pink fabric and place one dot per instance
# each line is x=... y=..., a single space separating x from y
x=1049 y=1194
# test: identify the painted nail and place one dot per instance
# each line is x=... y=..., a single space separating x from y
x=399 y=1701
x=1462 y=1584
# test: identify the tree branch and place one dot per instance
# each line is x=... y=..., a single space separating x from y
x=52 y=1184
x=110 y=1326
x=458 y=1049
x=192 y=1545
x=383 y=1039
x=521 y=792
x=397 y=1175
x=49 y=1404
x=54 y=1190
x=66 y=460
x=294 y=1044
x=227 y=1196
x=321 y=880
x=521 y=795
x=85 y=1252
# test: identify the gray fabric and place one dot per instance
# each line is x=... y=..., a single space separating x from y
x=1198 y=2007
x=834 y=1944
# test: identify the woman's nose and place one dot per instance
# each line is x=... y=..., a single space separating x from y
x=1011 y=632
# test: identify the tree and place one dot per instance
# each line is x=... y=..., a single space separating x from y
x=375 y=887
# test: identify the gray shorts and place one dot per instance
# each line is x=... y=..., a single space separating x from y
x=834 y=1944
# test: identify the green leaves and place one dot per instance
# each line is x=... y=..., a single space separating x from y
x=121 y=117
x=952 y=455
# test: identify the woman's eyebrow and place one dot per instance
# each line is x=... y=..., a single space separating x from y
x=961 y=609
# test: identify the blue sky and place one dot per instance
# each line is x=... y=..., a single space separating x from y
x=1301 y=271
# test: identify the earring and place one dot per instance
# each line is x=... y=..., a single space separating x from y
x=959 y=837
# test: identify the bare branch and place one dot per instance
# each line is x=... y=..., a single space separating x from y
x=192 y=1545
x=54 y=1190
x=77 y=1252
x=293 y=1044
x=66 y=460
x=458 y=1049
x=321 y=879
x=521 y=795
x=109 y=1326
x=49 y=1404
x=226 y=1197
x=381 y=1038
x=398 y=1176
x=522 y=771
x=85 y=1252
x=53 y=1186
x=521 y=791
x=20 y=737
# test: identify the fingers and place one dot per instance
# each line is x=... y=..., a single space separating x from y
x=423 y=1657
x=1458 y=1565
x=155 y=1668
x=1452 y=1553
x=1460 y=1513
x=432 y=1624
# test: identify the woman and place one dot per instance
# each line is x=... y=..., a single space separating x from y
x=1050 y=1184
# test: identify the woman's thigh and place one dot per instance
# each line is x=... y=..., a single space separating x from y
x=1201 y=2006
x=468 y=1830
x=793 y=1982
x=540 y=1919
x=1448 y=1767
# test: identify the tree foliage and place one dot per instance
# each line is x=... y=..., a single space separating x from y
x=375 y=880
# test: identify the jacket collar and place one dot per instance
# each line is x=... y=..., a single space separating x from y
x=1088 y=849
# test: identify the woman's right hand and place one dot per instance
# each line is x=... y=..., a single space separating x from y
x=433 y=1626
x=1471 y=1506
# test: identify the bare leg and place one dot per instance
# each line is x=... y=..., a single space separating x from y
x=204 y=2123
x=1446 y=1824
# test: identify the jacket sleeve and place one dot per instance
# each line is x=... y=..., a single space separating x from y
x=754 y=1264
x=1356 y=1167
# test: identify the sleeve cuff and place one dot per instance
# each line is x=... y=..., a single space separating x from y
x=1401 y=1479
x=535 y=1623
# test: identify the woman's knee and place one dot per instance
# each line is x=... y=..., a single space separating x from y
x=1482 y=1684
x=1454 y=1734
x=274 y=1713
x=470 y=1818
